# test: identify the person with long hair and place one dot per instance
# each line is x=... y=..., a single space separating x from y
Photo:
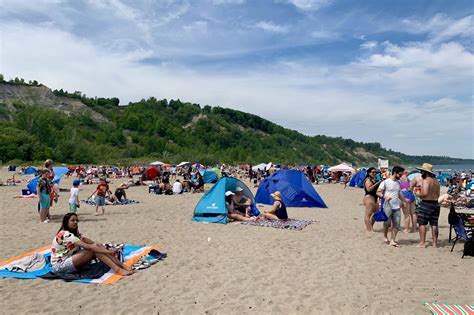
x=371 y=184
x=409 y=207
x=71 y=251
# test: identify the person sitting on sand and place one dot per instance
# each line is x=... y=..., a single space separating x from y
x=278 y=210
x=232 y=213
x=455 y=196
x=241 y=203
x=120 y=192
x=199 y=184
x=71 y=251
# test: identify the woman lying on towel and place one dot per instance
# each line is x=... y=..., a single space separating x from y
x=72 y=251
x=278 y=211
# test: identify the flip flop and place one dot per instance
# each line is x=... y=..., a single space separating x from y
x=394 y=244
x=140 y=265
x=157 y=254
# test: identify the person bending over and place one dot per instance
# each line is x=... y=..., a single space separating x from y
x=278 y=211
x=241 y=203
x=232 y=213
x=71 y=251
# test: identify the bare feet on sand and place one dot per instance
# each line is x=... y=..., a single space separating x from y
x=421 y=245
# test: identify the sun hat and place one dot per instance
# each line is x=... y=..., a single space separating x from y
x=427 y=168
x=238 y=188
x=229 y=193
x=276 y=195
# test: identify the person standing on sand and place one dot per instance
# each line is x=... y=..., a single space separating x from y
x=390 y=190
x=371 y=184
x=428 y=209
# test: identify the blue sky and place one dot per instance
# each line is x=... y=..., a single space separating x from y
x=396 y=72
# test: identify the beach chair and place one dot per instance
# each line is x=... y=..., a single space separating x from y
x=462 y=232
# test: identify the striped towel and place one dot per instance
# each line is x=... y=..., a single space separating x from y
x=450 y=309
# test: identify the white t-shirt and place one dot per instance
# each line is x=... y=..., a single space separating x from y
x=392 y=189
x=177 y=188
x=74 y=192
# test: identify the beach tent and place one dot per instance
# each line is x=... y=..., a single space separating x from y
x=259 y=167
x=295 y=188
x=30 y=170
x=156 y=163
x=217 y=171
x=211 y=208
x=150 y=174
x=59 y=172
x=342 y=168
x=209 y=176
x=136 y=171
x=358 y=179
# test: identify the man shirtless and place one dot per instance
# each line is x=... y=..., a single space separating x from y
x=428 y=209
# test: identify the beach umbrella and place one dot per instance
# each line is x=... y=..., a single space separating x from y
x=183 y=164
x=156 y=163
x=412 y=176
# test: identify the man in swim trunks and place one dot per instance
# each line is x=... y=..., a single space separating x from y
x=428 y=209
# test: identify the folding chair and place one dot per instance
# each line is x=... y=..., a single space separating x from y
x=462 y=232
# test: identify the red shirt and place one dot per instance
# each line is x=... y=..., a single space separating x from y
x=102 y=190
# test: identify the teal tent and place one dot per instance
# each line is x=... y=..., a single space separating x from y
x=211 y=208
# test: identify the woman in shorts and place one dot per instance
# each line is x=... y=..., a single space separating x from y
x=71 y=251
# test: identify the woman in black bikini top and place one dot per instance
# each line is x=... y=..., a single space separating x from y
x=370 y=198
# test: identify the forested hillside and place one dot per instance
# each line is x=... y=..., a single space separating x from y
x=43 y=125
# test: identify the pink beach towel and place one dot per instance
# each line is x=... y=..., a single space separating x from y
x=450 y=309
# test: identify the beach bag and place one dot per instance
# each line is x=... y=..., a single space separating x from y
x=469 y=248
x=380 y=216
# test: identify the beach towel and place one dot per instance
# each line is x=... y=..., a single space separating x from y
x=450 y=309
x=289 y=224
x=131 y=255
x=124 y=202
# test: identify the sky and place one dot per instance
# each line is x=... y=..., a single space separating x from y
x=396 y=72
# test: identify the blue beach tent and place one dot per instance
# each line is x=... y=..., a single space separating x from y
x=208 y=176
x=30 y=170
x=296 y=190
x=358 y=179
x=59 y=172
x=211 y=208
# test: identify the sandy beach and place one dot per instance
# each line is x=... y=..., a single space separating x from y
x=331 y=266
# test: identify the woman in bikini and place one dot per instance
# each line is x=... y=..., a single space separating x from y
x=408 y=207
x=371 y=184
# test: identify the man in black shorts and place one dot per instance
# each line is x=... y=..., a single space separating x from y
x=428 y=209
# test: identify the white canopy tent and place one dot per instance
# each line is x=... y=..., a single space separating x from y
x=342 y=168
x=259 y=167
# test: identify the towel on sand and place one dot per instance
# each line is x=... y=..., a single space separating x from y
x=131 y=255
x=289 y=224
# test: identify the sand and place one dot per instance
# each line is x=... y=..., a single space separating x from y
x=331 y=266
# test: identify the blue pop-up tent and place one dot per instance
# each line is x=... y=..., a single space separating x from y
x=59 y=172
x=295 y=188
x=211 y=208
x=30 y=170
x=358 y=179
x=208 y=176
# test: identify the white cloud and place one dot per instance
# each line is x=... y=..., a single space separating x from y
x=369 y=45
x=441 y=27
x=309 y=5
x=224 y=2
x=271 y=27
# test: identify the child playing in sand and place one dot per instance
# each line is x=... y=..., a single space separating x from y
x=101 y=191
x=74 y=196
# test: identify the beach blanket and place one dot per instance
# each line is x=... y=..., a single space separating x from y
x=131 y=255
x=289 y=224
x=450 y=309
x=124 y=202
